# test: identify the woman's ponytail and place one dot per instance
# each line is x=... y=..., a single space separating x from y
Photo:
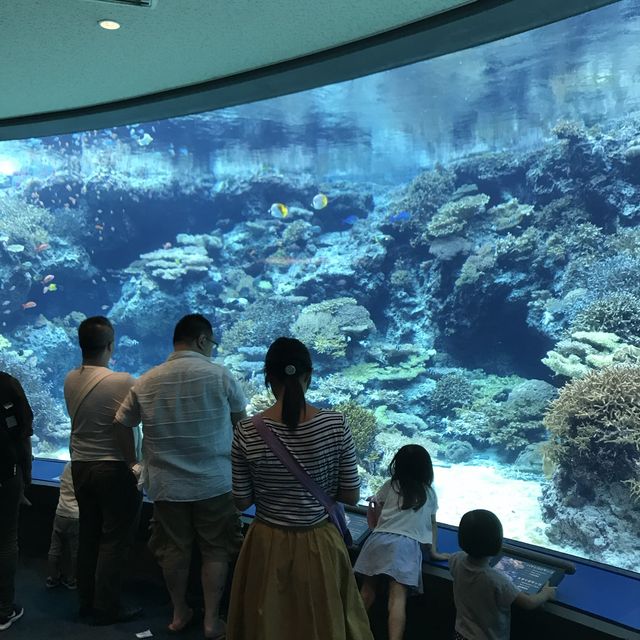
x=286 y=364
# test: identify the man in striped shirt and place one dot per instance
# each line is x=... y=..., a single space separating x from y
x=188 y=406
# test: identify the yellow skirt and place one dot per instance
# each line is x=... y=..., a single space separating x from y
x=295 y=584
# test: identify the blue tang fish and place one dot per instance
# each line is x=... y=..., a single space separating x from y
x=401 y=216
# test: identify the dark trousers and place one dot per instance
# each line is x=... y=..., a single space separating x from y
x=109 y=503
x=10 y=492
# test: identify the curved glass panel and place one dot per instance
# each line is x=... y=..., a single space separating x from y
x=456 y=241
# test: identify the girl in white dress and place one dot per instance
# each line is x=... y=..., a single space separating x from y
x=407 y=504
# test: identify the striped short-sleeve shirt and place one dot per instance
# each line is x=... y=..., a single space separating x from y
x=323 y=446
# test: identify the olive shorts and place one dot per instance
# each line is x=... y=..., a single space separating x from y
x=214 y=524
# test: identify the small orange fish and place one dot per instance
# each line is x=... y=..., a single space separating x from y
x=29 y=305
x=48 y=279
x=42 y=246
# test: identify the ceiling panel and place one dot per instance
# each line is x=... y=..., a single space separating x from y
x=56 y=57
x=62 y=73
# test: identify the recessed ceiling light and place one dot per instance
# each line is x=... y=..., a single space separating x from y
x=109 y=25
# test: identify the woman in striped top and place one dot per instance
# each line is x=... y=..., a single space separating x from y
x=293 y=578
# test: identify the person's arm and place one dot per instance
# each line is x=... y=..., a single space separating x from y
x=26 y=458
x=236 y=398
x=127 y=418
x=348 y=478
x=348 y=496
x=433 y=549
x=24 y=414
x=533 y=601
x=242 y=485
x=126 y=442
x=236 y=417
x=242 y=504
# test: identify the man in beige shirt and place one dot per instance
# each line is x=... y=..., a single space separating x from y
x=106 y=489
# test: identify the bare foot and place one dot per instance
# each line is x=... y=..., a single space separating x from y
x=179 y=623
x=215 y=631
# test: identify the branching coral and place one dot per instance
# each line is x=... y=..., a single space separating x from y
x=510 y=431
x=24 y=223
x=617 y=313
x=363 y=426
x=594 y=429
x=261 y=323
x=334 y=389
x=452 y=390
x=619 y=274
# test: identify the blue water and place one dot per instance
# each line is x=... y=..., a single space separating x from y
x=481 y=209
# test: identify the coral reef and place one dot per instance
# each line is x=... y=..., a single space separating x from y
x=458 y=452
x=427 y=192
x=453 y=390
x=477 y=265
x=509 y=214
x=594 y=431
x=328 y=327
x=429 y=305
x=402 y=372
x=503 y=413
x=617 y=313
x=174 y=263
x=363 y=426
x=25 y=224
x=585 y=351
x=51 y=424
x=453 y=217
x=334 y=389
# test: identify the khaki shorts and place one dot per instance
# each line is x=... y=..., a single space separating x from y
x=214 y=524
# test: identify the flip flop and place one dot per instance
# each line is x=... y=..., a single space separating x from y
x=173 y=630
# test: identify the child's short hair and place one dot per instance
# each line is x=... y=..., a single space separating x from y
x=480 y=533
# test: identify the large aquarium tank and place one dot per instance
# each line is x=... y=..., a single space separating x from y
x=456 y=241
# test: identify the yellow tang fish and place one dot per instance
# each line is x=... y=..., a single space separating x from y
x=279 y=210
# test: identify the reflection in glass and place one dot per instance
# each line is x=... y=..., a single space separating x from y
x=456 y=241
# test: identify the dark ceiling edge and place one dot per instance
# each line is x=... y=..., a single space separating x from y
x=467 y=26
